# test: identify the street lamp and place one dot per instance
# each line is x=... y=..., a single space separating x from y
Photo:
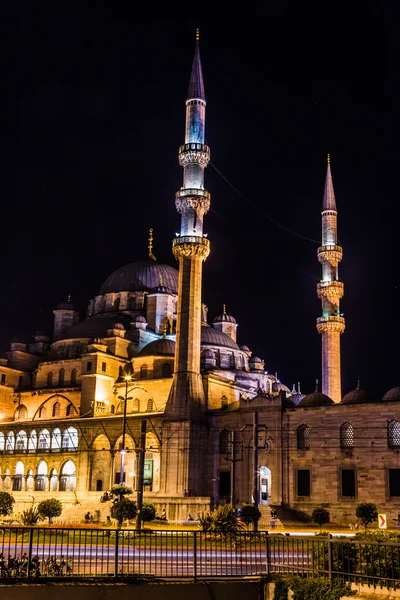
x=126 y=375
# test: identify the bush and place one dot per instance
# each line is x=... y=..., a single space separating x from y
x=223 y=520
x=320 y=516
x=317 y=589
x=250 y=514
x=50 y=508
x=30 y=516
x=367 y=512
x=123 y=509
x=148 y=512
x=6 y=504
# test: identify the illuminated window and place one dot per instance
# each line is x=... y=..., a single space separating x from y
x=136 y=405
x=70 y=439
x=21 y=441
x=303 y=437
x=393 y=434
x=44 y=440
x=56 y=409
x=224 y=441
x=70 y=410
x=346 y=436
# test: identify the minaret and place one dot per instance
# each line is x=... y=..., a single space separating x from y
x=330 y=290
x=190 y=248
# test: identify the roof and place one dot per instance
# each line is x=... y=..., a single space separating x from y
x=212 y=337
x=329 y=202
x=315 y=399
x=196 y=84
x=392 y=394
x=357 y=396
x=141 y=276
x=95 y=327
x=161 y=347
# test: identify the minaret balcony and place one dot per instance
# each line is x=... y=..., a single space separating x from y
x=195 y=198
x=330 y=289
x=191 y=246
x=331 y=253
x=194 y=153
x=331 y=323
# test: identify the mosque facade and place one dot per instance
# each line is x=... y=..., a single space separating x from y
x=218 y=427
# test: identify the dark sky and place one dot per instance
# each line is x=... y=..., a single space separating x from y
x=93 y=114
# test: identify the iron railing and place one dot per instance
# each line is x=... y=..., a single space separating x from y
x=44 y=553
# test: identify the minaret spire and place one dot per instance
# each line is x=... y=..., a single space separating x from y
x=330 y=290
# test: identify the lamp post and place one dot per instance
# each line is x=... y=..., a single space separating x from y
x=127 y=374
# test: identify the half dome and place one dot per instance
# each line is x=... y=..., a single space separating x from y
x=141 y=276
x=213 y=337
x=161 y=347
x=315 y=399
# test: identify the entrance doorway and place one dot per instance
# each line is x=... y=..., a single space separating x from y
x=224 y=488
x=265 y=485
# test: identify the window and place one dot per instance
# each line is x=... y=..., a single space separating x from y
x=42 y=412
x=21 y=441
x=61 y=377
x=17 y=483
x=303 y=437
x=103 y=367
x=224 y=402
x=10 y=442
x=56 y=440
x=22 y=413
x=166 y=370
x=346 y=436
x=70 y=439
x=117 y=303
x=70 y=410
x=150 y=405
x=32 y=443
x=136 y=405
x=143 y=372
x=44 y=440
x=89 y=366
x=3 y=378
x=224 y=441
x=56 y=409
x=394 y=482
x=303 y=482
x=348 y=483
x=2 y=441
x=49 y=378
x=393 y=434
x=73 y=376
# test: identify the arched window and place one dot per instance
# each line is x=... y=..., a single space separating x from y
x=56 y=409
x=143 y=372
x=32 y=442
x=2 y=441
x=131 y=303
x=73 y=376
x=21 y=441
x=70 y=410
x=41 y=476
x=303 y=437
x=70 y=439
x=117 y=302
x=68 y=477
x=18 y=476
x=42 y=412
x=53 y=480
x=166 y=370
x=56 y=440
x=136 y=405
x=61 y=377
x=346 y=436
x=224 y=441
x=224 y=402
x=150 y=405
x=21 y=413
x=10 y=443
x=49 y=379
x=393 y=434
x=44 y=440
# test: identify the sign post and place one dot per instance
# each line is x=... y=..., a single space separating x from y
x=382 y=523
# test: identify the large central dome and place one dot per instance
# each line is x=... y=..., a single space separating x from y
x=141 y=276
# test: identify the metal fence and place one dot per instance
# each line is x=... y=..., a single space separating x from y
x=60 y=552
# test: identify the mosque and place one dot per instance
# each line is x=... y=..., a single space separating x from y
x=218 y=426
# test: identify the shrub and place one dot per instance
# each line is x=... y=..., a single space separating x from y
x=30 y=516
x=50 y=508
x=250 y=514
x=148 y=512
x=6 y=504
x=121 y=490
x=320 y=516
x=223 y=520
x=367 y=512
x=123 y=509
x=317 y=589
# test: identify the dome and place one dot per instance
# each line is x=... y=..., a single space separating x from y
x=224 y=318
x=315 y=399
x=161 y=347
x=357 y=396
x=118 y=325
x=95 y=327
x=141 y=276
x=213 y=337
x=245 y=349
x=138 y=319
x=161 y=289
x=393 y=394
x=297 y=397
x=256 y=359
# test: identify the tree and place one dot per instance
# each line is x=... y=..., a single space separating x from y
x=148 y=512
x=121 y=490
x=50 y=508
x=320 y=516
x=123 y=509
x=6 y=504
x=367 y=512
x=249 y=514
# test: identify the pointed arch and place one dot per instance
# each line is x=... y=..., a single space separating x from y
x=42 y=412
x=61 y=376
x=136 y=405
x=2 y=441
x=49 y=379
x=73 y=376
x=56 y=440
x=41 y=480
x=10 y=442
x=56 y=410
x=393 y=434
x=346 y=436
x=44 y=440
x=21 y=441
x=21 y=413
x=32 y=442
x=68 y=477
x=70 y=439
x=101 y=442
x=71 y=410
x=150 y=405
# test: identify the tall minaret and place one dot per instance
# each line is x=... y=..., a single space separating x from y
x=191 y=248
x=330 y=290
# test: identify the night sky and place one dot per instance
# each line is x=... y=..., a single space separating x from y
x=93 y=115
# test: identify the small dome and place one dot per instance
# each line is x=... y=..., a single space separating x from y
x=245 y=349
x=357 y=396
x=161 y=347
x=224 y=318
x=256 y=359
x=296 y=398
x=161 y=289
x=213 y=337
x=118 y=326
x=393 y=394
x=138 y=319
x=141 y=276
x=315 y=399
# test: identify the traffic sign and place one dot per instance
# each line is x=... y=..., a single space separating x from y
x=382 y=521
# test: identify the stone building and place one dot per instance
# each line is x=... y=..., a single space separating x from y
x=219 y=427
